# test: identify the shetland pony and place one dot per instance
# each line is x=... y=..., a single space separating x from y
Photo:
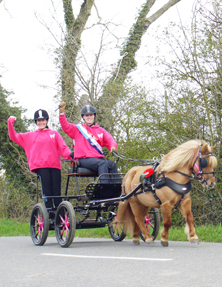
x=193 y=159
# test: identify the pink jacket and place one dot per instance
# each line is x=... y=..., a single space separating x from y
x=43 y=148
x=83 y=149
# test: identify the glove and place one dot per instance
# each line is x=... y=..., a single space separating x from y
x=113 y=149
x=62 y=107
x=12 y=117
x=72 y=154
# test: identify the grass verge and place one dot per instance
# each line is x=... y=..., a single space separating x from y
x=209 y=233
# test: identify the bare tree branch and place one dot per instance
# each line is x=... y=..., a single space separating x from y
x=160 y=12
x=128 y=63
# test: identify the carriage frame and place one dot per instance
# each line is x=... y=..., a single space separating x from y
x=96 y=207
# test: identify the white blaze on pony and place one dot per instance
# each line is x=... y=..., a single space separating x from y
x=193 y=159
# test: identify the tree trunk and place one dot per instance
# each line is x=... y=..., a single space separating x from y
x=74 y=29
x=112 y=90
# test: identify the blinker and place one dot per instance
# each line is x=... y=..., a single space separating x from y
x=203 y=162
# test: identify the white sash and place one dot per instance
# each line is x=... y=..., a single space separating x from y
x=90 y=139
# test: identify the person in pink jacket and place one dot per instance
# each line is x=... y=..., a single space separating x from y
x=90 y=138
x=43 y=148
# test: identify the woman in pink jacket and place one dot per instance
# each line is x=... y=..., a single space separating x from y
x=43 y=148
x=90 y=138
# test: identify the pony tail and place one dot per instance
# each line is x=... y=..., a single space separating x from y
x=125 y=216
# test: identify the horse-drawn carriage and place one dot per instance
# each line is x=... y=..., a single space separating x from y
x=96 y=208
x=132 y=204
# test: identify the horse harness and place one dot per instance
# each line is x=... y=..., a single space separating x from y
x=152 y=183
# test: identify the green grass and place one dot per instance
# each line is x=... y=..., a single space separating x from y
x=209 y=233
x=10 y=227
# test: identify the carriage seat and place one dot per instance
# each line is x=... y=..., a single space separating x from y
x=81 y=171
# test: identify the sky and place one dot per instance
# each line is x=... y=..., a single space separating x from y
x=27 y=46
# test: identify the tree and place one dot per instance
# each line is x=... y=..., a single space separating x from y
x=74 y=29
x=68 y=53
x=191 y=79
x=113 y=88
x=191 y=75
x=12 y=157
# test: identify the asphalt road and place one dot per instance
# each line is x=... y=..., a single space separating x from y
x=103 y=262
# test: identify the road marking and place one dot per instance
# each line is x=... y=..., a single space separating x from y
x=37 y=275
x=107 y=257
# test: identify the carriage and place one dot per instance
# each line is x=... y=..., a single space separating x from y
x=95 y=208
x=131 y=205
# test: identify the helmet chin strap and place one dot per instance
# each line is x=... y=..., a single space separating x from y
x=90 y=125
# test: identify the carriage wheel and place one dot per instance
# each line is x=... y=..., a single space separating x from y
x=152 y=223
x=65 y=224
x=115 y=229
x=39 y=224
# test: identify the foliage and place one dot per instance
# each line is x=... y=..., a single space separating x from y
x=107 y=95
x=114 y=87
x=14 y=202
x=190 y=72
x=188 y=108
x=146 y=123
x=190 y=75
x=12 y=157
x=66 y=55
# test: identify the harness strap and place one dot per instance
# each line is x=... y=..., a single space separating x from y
x=164 y=181
x=190 y=176
x=144 y=190
x=180 y=188
x=182 y=197
x=156 y=197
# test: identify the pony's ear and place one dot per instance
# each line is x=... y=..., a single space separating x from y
x=204 y=148
x=212 y=147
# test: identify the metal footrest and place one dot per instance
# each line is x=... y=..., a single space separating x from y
x=90 y=190
x=103 y=190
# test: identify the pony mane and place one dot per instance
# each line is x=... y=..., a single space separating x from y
x=212 y=160
x=180 y=156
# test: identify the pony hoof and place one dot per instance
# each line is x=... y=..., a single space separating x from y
x=164 y=243
x=149 y=240
x=194 y=240
x=136 y=242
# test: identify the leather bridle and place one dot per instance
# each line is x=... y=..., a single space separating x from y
x=200 y=171
x=199 y=174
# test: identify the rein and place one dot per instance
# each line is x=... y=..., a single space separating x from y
x=130 y=159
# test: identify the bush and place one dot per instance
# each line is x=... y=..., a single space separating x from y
x=14 y=203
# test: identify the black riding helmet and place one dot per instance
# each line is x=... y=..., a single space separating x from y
x=40 y=114
x=87 y=110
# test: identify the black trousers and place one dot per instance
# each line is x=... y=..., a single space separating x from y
x=102 y=165
x=51 y=185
